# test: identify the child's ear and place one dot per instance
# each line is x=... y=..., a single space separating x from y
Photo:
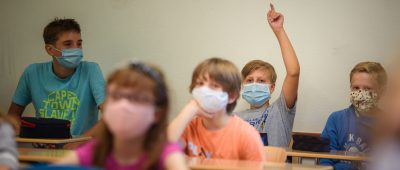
x=49 y=49
x=272 y=88
x=233 y=97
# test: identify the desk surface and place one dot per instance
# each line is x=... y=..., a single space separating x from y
x=53 y=155
x=218 y=164
x=342 y=155
x=53 y=141
x=41 y=155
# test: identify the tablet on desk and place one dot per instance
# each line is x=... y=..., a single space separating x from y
x=264 y=138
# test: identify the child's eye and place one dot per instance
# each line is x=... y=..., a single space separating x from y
x=143 y=99
x=116 y=96
x=261 y=81
x=67 y=44
x=139 y=99
x=199 y=83
x=249 y=81
x=214 y=85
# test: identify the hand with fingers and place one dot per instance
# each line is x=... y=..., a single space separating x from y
x=275 y=19
x=195 y=107
x=178 y=125
x=291 y=81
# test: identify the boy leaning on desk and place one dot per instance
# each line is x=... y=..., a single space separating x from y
x=66 y=87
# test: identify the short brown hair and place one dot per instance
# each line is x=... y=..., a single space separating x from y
x=58 y=26
x=371 y=68
x=259 y=64
x=223 y=72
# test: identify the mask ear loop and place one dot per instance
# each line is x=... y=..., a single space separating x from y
x=54 y=48
x=57 y=49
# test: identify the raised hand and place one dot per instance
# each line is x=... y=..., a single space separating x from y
x=275 y=19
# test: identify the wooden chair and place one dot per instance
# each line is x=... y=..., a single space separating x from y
x=275 y=154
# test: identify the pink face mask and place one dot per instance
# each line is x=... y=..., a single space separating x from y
x=128 y=120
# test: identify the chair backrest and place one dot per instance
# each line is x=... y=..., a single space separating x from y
x=302 y=133
x=307 y=134
x=275 y=154
x=308 y=141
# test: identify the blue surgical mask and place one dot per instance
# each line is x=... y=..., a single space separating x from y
x=256 y=93
x=70 y=58
x=210 y=100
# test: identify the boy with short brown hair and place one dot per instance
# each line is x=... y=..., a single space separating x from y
x=206 y=125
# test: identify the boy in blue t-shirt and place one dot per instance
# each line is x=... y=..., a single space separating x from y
x=349 y=129
x=66 y=87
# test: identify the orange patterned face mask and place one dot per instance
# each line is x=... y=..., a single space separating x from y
x=363 y=100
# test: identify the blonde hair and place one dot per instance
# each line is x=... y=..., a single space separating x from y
x=259 y=64
x=373 y=68
x=223 y=72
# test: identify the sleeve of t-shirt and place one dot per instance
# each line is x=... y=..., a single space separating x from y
x=97 y=83
x=169 y=149
x=22 y=95
x=251 y=145
x=281 y=102
x=8 y=151
x=85 y=153
x=330 y=132
x=286 y=116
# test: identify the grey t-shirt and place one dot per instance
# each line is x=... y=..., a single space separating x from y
x=275 y=120
x=8 y=149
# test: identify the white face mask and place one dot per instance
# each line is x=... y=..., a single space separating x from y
x=211 y=101
x=127 y=120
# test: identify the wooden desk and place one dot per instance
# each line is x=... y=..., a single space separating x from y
x=218 y=164
x=53 y=141
x=41 y=155
x=340 y=155
x=53 y=155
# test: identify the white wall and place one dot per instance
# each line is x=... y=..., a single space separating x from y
x=330 y=37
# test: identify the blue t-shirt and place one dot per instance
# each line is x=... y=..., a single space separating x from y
x=75 y=98
x=347 y=131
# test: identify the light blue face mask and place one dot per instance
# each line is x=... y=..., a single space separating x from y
x=70 y=58
x=256 y=94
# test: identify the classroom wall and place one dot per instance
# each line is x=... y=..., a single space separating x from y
x=330 y=37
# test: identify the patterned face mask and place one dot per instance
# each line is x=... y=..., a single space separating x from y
x=363 y=100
